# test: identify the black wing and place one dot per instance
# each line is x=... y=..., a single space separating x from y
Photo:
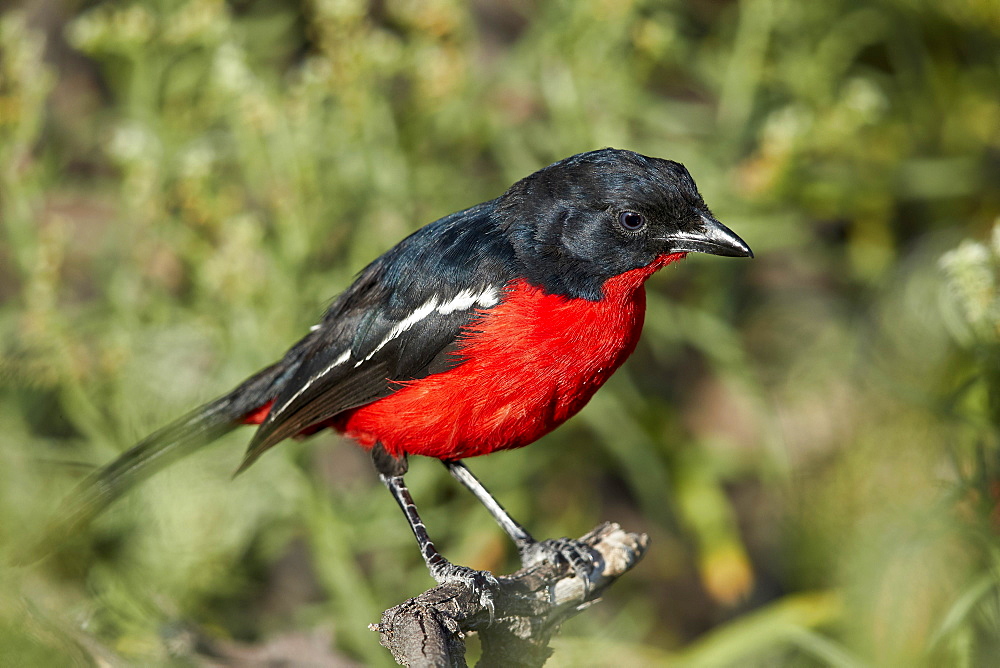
x=401 y=319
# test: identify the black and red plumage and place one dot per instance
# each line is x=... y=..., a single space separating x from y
x=482 y=331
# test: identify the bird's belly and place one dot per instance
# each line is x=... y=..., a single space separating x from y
x=530 y=363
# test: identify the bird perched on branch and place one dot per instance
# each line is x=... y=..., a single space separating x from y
x=481 y=331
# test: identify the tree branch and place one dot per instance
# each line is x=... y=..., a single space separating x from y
x=529 y=607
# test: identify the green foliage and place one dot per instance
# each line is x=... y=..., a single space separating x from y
x=810 y=438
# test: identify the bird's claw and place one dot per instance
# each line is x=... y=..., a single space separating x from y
x=580 y=557
x=481 y=583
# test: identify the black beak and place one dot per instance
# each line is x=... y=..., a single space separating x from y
x=709 y=236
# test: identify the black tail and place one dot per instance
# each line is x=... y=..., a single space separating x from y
x=178 y=439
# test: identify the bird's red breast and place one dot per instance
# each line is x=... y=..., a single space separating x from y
x=530 y=363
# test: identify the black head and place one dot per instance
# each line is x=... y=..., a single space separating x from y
x=595 y=215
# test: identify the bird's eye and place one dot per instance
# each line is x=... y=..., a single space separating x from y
x=631 y=221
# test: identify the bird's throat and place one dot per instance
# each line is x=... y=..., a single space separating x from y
x=624 y=285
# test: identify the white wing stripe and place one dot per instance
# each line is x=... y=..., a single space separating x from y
x=344 y=356
x=490 y=297
x=463 y=301
x=409 y=321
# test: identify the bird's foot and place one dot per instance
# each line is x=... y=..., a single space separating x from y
x=580 y=557
x=481 y=583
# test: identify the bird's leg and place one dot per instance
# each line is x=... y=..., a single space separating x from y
x=578 y=555
x=522 y=539
x=390 y=470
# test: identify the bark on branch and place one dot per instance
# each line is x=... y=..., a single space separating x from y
x=529 y=607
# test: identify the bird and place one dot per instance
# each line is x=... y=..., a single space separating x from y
x=481 y=331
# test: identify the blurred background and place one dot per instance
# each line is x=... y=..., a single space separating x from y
x=809 y=438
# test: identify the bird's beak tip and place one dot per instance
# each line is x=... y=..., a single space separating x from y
x=713 y=238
